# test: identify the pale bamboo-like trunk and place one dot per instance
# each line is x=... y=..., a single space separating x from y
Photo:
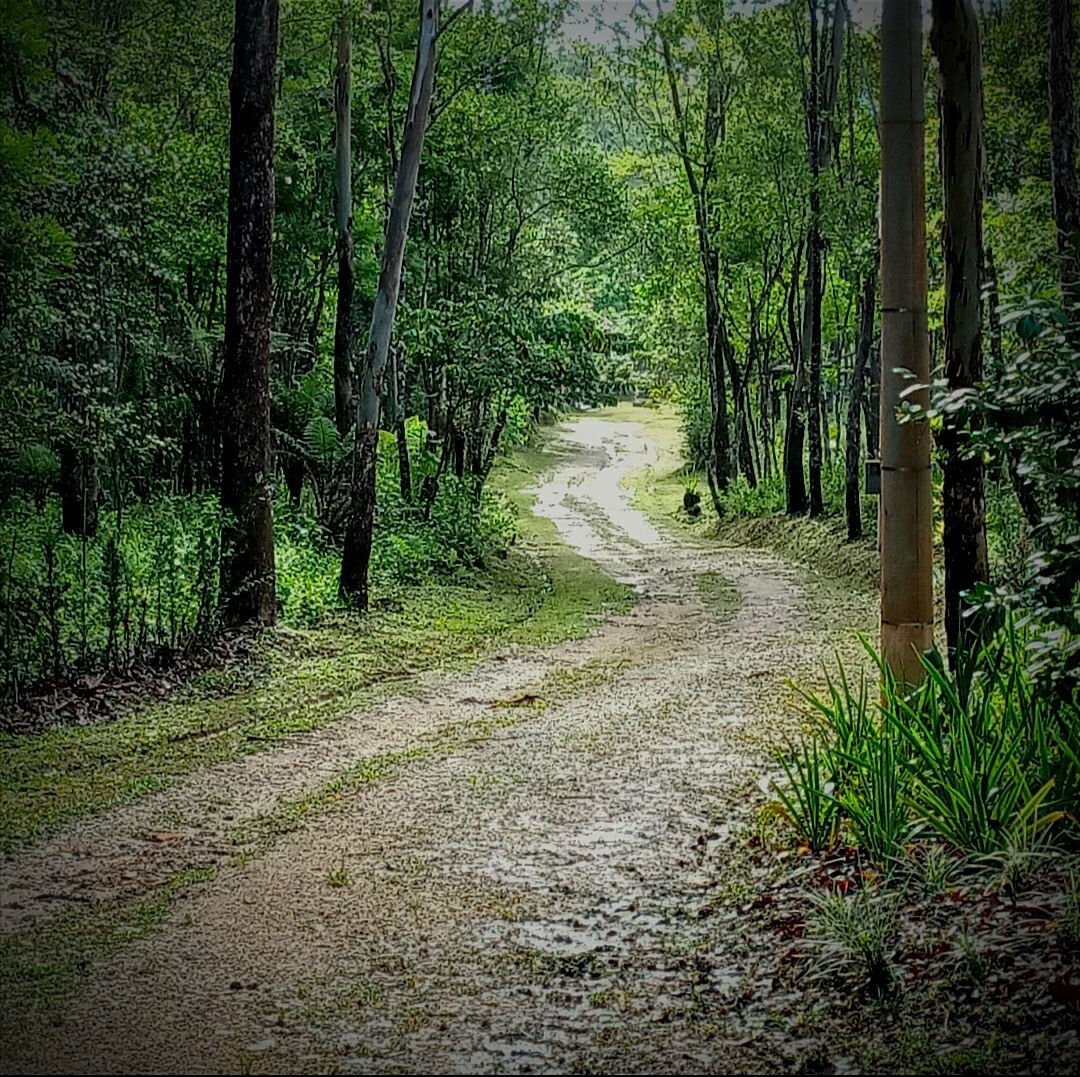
x=356 y=550
x=907 y=586
x=955 y=38
x=343 y=223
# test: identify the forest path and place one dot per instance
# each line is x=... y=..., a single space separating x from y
x=528 y=867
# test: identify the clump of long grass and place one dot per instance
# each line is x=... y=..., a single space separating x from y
x=980 y=759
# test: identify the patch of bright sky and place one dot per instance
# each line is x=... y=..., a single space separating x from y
x=595 y=20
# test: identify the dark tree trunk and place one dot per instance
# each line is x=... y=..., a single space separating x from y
x=247 y=546
x=1064 y=142
x=955 y=39
x=293 y=472
x=80 y=492
x=813 y=264
x=360 y=532
x=344 y=331
x=794 y=442
x=719 y=467
x=872 y=406
x=852 y=456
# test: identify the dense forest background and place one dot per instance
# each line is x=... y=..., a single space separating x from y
x=678 y=205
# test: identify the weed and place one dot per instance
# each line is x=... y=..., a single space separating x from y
x=851 y=936
x=808 y=795
x=339 y=876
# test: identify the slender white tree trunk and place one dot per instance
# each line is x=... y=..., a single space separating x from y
x=356 y=552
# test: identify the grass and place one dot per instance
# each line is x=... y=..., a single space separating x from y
x=38 y=968
x=301 y=679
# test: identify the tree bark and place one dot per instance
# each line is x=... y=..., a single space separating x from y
x=247 y=539
x=852 y=456
x=80 y=492
x=813 y=264
x=1063 y=138
x=397 y=419
x=720 y=465
x=344 y=332
x=955 y=40
x=356 y=552
x=907 y=588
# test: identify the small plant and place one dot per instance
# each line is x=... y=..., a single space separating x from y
x=934 y=869
x=875 y=798
x=808 y=795
x=339 y=877
x=850 y=937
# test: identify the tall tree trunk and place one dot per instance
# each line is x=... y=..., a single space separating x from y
x=80 y=491
x=955 y=40
x=356 y=551
x=247 y=539
x=852 y=456
x=1064 y=141
x=907 y=585
x=813 y=264
x=719 y=470
x=821 y=133
x=344 y=331
x=795 y=422
x=397 y=419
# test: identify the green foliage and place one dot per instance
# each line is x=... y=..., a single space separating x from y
x=851 y=936
x=1025 y=417
x=145 y=587
x=982 y=759
x=808 y=795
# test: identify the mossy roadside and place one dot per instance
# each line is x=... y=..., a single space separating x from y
x=542 y=592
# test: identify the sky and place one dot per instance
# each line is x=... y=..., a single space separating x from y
x=592 y=19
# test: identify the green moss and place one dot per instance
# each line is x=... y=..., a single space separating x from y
x=821 y=545
x=38 y=968
x=719 y=593
x=301 y=679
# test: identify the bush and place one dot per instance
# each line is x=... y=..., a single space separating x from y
x=981 y=759
x=146 y=586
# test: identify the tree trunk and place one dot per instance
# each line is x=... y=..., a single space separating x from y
x=397 y=419
x=852 y=498
x=813 y=265
x=247 y=540
x=907 y=587
x=344 y=332
x=955 y=39
x=719 y=468
x=824 y=82
x=796 y=502
x=1064 y=141
x=80 y=492
x=356 y=552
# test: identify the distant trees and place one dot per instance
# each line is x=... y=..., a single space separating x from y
x=344 y=331
x=247 y=473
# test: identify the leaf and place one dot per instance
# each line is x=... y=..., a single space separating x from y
x=323 y=440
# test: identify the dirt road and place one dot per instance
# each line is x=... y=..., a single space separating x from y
x=523 y=868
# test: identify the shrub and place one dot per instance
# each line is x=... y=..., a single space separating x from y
x=981 y=759
x=850 y=937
